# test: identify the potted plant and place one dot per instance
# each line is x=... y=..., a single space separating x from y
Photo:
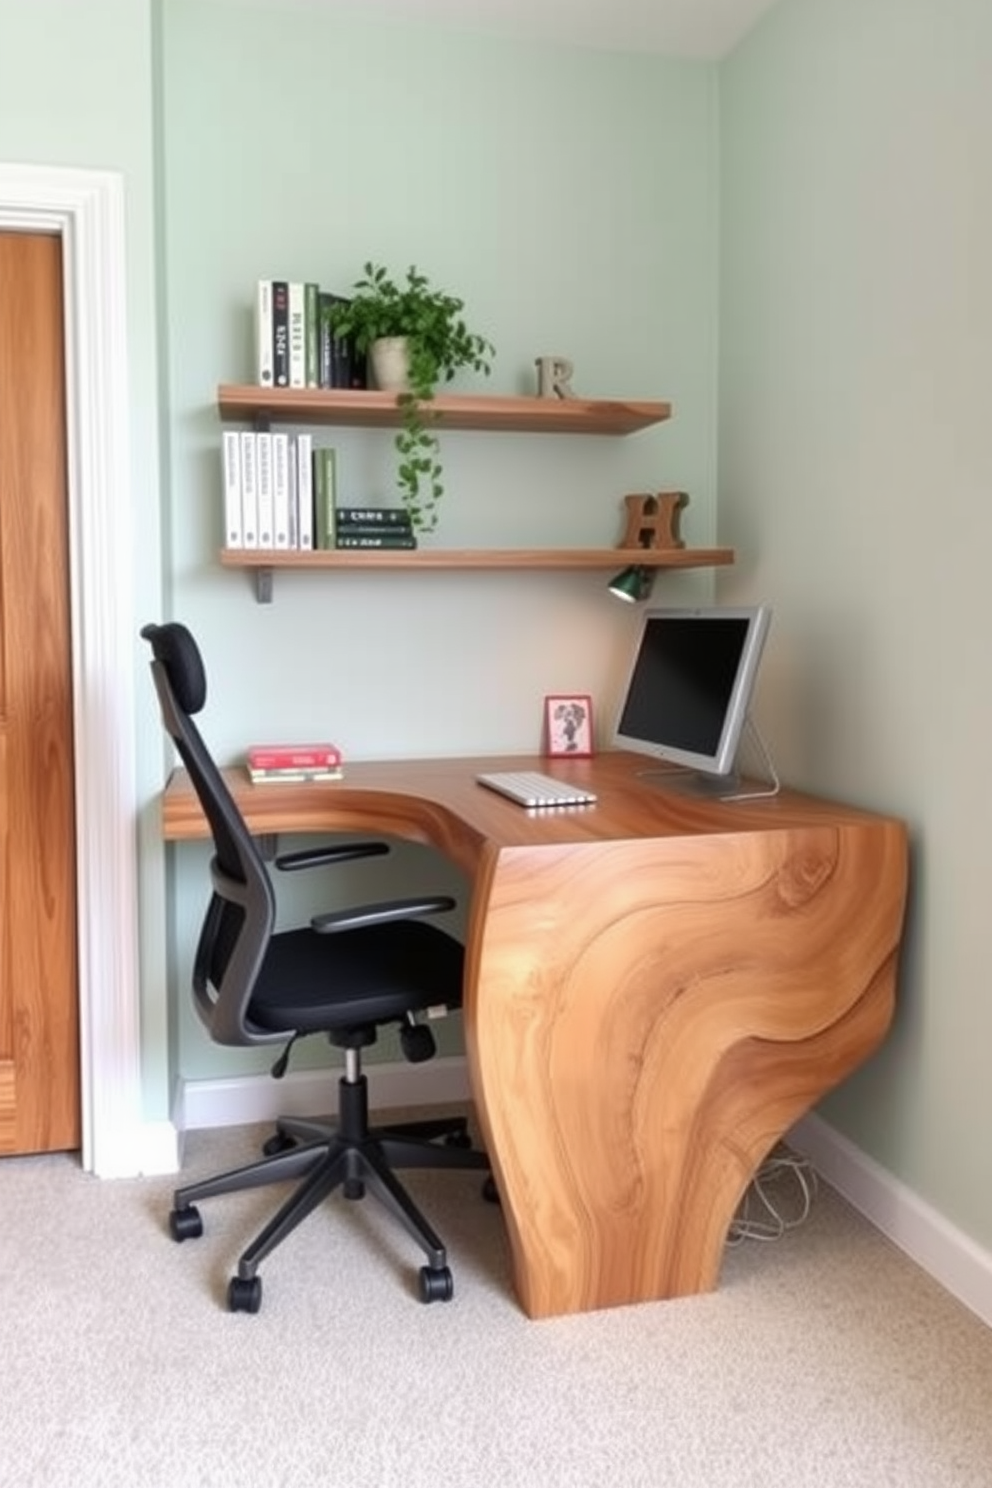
x=438 y=344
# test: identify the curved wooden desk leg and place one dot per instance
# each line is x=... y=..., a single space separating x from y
x=645 y=1019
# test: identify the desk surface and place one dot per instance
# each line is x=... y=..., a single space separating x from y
x=440 y=801
x=657 y=988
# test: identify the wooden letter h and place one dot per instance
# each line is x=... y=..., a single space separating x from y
x=653 y=521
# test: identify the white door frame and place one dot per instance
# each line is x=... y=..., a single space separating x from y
x=86 y=208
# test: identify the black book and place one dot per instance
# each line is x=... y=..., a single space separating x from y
x=325 y=340
x=364 y=537
x=341 y=354
x=280 y=332
x=377 y=518
x=340 y=364
x=356 y=371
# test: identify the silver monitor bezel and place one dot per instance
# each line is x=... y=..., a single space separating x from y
x=722 y=761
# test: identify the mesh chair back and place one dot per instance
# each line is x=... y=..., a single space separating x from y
x=240 y=917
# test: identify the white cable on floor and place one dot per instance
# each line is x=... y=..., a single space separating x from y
x=779 y=1198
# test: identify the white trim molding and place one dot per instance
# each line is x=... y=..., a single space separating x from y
x=86 y=208
x=942 y=1250
x=249 y=1098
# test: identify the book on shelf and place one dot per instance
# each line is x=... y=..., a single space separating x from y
x=233 y=529
x=317 y=756
x=325 y=340
x=263 y=333
x=358 y=367
x=249 y=490
x=266 y=777
x=340 y=365
x=365 y=537
x=311 y=296
x=263 y=480
x=391 y=518
x=324 y=488
x=268 y=490
x=282 y=512
x=297 y=334
x=341 y=352
x=295 y=343
x=280 y=333
x=302 y=464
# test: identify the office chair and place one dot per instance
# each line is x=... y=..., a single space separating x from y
x=345 y=975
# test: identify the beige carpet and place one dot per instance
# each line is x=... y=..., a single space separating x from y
x=826 y=1358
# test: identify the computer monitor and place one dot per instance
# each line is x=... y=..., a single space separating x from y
x=687 y=696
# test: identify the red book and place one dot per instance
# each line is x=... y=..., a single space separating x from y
x=293 y=756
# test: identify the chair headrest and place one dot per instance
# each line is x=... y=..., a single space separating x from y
x=173 y=646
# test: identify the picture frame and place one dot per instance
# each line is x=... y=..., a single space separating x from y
x=568 y=725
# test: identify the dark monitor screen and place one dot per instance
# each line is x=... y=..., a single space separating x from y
x=690 y=685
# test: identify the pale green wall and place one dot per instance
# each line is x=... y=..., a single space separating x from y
x=855 y=474
x=570 y=197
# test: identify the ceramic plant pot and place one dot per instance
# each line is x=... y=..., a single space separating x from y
x=390 y=364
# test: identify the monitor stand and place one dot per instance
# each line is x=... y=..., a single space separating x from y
x=732 y=787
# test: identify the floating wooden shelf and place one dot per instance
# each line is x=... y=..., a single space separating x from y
x=359 y=408
x=265 y=562
x=372 y=410
x=478 y=558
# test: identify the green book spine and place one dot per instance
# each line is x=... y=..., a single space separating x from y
x=324 y=486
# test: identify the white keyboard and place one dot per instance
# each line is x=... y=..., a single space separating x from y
x=531 y=788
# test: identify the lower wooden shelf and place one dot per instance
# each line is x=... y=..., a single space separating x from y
x=265 y=562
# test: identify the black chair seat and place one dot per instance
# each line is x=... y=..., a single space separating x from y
x=313 y=983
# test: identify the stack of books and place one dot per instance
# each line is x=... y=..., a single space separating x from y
x=296 y=346
x=268 y=489
x=373 y=527
x=280 y=492
x=293 y=762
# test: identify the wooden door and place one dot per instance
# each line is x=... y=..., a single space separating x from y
x=39 y=1022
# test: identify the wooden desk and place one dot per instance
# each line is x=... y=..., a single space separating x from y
x=657 y=988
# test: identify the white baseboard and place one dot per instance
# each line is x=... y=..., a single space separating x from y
x=251 y=1098
x=943 y=1251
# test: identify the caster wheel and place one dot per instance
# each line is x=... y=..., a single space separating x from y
x=436 y=1286
x=489 y=1190
x=417 y=1042
x=186 y=1224
x=353 y=1188
x=458 y=1139
x=244 y=1296
x=273 y=1145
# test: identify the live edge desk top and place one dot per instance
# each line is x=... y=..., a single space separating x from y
x=657 y=988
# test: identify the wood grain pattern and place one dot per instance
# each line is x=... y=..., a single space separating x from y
x=479 y=558
x=39 y=1041
x=370 y=409
x=657 y=988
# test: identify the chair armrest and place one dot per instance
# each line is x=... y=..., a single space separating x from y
x=317 y=857
x=380 y=914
